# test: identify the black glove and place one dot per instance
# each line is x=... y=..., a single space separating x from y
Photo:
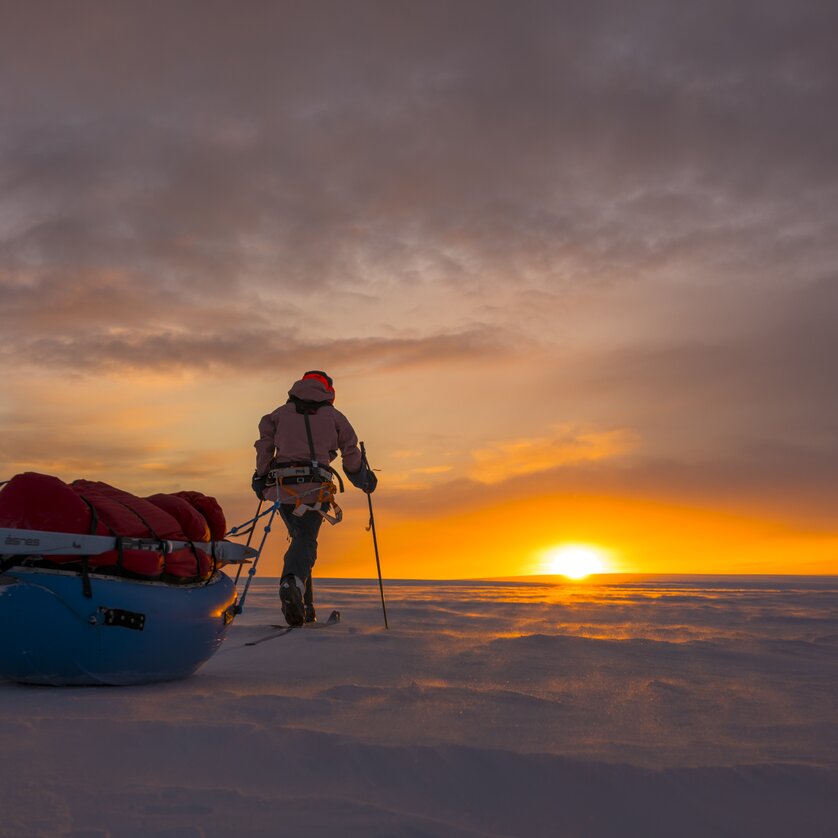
x=258 y=483
x=364 y=479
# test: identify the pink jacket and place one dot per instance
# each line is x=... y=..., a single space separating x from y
x=283 y=438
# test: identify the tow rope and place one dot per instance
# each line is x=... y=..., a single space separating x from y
x=238 y=606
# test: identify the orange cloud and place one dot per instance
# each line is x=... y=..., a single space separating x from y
x=565 y=446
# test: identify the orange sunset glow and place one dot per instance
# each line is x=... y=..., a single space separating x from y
x=419 y=417
x=553 y=323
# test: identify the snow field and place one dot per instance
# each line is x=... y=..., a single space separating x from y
x=688 y=706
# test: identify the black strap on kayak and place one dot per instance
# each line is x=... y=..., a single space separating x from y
x=194 y=550
x=9 y=563
x=147 y=526
x=94 y=525
x=86 y=587
x=139 y=515
x=214 y=566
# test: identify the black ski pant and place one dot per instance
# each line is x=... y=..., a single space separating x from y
x=302 y=552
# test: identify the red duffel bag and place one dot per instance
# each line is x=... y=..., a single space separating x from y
x=43 y=502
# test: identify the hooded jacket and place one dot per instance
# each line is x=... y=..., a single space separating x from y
x=283 y=437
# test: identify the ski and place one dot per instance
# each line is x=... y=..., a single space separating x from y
x=17 y=542
x=334 y=618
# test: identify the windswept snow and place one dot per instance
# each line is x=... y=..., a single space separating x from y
x=688 y=706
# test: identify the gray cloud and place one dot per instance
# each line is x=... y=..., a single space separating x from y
x=748 y=417
x=247 y=350
x=776 y=379
x=301 y=146
x=168 y=171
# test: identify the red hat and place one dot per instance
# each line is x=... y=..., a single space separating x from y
x=320 y=376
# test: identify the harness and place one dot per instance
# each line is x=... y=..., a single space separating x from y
x=287 y=475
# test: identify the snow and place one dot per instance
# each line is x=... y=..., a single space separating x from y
x=632 y=706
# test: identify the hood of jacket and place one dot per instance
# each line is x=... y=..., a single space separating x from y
x=311 y=390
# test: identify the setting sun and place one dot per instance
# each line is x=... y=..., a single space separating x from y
x=576 y=561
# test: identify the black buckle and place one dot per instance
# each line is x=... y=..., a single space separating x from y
x=298 y=480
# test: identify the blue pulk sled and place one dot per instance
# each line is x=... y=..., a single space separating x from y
x=65 y=626
x=62 y=626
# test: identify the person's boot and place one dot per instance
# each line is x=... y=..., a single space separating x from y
x=291 y=597
x=311 y=617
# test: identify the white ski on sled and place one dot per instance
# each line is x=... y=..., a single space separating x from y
x=15 y=542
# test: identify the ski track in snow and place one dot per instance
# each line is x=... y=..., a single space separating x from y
x=688 y=706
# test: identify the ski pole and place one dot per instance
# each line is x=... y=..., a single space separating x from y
x=252 y=570
x=249 y=536
x=375 y=540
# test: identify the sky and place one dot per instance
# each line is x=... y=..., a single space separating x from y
x=572 y=266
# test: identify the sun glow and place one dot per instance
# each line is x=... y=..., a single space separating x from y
x=576 y=561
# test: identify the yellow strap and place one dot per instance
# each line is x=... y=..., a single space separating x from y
x=326 y=494
x=297 y=499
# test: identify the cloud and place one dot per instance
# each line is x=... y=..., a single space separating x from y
x=308 y=150
x=801 y=497
x=637 y=201
x=564 y=446
x=85 y=441
x=761 y=395
x=244 y=350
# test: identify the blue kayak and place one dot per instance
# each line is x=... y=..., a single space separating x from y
x=127 y=631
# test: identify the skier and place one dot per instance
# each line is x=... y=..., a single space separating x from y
x=297 y=441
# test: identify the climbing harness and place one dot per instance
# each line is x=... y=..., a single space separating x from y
x=321 y=497
x=288 y=479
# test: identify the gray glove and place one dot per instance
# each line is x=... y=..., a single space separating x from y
x=364 y=479
x=258 y=483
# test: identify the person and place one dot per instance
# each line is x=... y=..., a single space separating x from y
x=297 y=441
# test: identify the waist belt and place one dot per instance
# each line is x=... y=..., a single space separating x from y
x=295 y=475
x=300 y=474
x=296 y=481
